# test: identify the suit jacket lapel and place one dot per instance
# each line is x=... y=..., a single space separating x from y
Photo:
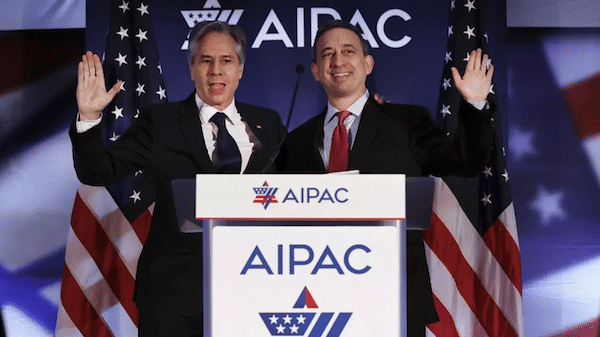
x=255 y=162
x=318 y=141
x=189 y=122
x=370 y=121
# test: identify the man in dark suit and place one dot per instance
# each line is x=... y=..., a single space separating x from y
x=388 y=138
x=170 y=141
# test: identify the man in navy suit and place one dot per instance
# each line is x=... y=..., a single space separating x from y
x=389 y=138
x=170 y=141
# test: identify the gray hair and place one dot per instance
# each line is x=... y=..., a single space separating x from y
x=338 y=24
x=204 y=28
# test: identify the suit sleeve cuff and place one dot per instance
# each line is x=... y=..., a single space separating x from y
x=83 y=126
x=480 y=105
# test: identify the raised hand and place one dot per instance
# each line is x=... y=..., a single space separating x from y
x=92 y=96
x=475 y=84
x=380 y=99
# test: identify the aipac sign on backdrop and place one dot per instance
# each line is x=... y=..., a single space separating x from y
x=273 y=29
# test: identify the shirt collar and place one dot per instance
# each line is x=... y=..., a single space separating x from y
x=206 y=111
x=355 y=109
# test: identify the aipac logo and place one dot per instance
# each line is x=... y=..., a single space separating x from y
x=265 y=195
x=297 y=323
x=211 y=12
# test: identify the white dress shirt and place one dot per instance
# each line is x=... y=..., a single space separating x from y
x=238 y=129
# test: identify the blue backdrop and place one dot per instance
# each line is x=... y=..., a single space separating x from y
x=410 y=73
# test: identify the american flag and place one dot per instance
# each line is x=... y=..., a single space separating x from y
x=472 y=246
x=109 y=225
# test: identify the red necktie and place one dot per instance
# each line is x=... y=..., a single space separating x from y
x=338 y=156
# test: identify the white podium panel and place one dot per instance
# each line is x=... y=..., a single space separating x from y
x=304 y=196
x=328 y=261
x=305 y=281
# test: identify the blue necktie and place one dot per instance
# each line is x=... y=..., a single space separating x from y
x=228 y=153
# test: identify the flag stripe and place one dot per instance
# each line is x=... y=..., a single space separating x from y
x=591 y=329
x=82 y=313
x=141 y=226
x=444 y=287
x=90 y=286
x=64 y=325
x=505 y=251
x=120 y=232
x=508 y=219
x=584 y=98
x=592 y=149
x=100 y=248
x=472 y=248
x=445 y=325
x=468 y=283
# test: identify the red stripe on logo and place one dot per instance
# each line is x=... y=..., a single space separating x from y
x=309 y=300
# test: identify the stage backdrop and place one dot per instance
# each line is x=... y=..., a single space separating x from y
x=407 y=40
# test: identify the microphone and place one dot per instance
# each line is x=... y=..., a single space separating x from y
x=299 y=72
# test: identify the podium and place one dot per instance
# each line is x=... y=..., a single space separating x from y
x=303 y=255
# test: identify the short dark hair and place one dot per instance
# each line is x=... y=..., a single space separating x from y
x=204 y=28
x=338 y=24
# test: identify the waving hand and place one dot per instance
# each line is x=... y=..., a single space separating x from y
x=92 y=96
x=475 y=84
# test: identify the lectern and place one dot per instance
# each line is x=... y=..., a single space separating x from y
x=303 y=255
